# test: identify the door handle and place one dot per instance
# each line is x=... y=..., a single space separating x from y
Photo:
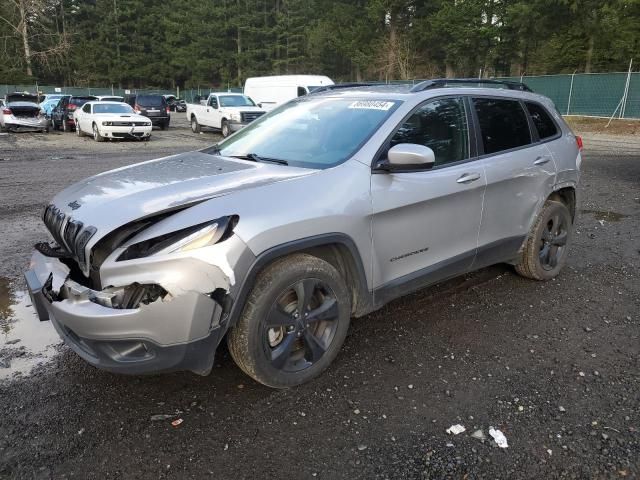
x=542 y=160
x=468 y=178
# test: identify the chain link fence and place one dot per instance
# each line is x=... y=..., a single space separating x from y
x=4 y=89
x=589 y=94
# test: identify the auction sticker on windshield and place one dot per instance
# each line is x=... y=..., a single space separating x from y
x=372 y=105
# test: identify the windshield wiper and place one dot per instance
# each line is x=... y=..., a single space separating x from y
x=257 y=158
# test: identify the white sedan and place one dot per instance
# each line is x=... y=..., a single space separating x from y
x=111 y=120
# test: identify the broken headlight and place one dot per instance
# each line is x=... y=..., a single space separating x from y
x=198 y=236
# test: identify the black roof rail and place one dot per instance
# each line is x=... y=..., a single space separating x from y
x=339 y=86
x=445 y=82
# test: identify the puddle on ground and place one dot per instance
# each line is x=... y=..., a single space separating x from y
x=606 y=215
x=25 y=341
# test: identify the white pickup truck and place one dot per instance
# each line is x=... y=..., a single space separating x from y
x=228 y=112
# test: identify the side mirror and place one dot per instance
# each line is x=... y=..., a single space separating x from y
x=260 y=105
x=409 y=157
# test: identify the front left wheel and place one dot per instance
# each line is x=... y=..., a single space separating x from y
x=226 y=131
x=96 y=134
x=294 y=322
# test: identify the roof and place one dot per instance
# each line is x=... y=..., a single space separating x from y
x=405 y=91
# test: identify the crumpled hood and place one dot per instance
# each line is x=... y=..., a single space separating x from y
x=114 y=198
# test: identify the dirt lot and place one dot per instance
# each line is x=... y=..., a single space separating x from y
x=555 y=366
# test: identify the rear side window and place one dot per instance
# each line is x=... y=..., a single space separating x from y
x=440 y=125
x=503 y=124
x=542 y=120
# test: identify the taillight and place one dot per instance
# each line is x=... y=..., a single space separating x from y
x=168 y=110
x=579 y=142
x=6 y=111
x=72 y=106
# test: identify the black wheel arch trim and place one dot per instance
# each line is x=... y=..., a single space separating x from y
x=363 y=295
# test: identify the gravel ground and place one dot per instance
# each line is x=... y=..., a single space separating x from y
x=555 y=366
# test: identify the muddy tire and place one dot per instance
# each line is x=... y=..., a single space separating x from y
x=294 y=322
x=226 y=131
x=545 y=251
x=195 y=126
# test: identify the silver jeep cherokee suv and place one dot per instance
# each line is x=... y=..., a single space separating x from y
x=325 y=209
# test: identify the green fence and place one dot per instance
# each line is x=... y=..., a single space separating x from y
x=189 y=95
x=590 y=94
x=4 y=89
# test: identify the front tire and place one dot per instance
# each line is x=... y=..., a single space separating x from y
x=545 y=251
x=294 y=322
x=96 y=134
x=78 y=130
x=226 y=131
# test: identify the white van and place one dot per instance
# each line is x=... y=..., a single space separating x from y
x=269 y=92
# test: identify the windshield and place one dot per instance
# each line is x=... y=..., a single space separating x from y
x=311 y=132
x=112 y=108
x=235 y=101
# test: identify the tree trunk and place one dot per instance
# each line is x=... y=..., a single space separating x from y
x=391 y=53
x=592 y=40
x=450 y=70
x=25 y=37
x=118 y=64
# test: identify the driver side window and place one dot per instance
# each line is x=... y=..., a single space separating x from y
x=440 y=125
x=213 y=102
x=86 y=108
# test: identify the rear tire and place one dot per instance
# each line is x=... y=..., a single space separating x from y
x=546 y=248
x=294 y=322
x=65 y=125
x=195 y=126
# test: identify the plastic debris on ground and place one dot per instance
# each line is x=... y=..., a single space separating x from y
x=498 y=437
x=177 y=422
x=455 y=429
x=157 y=418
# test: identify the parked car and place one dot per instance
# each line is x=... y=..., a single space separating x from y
x=227 y=112
x=109 y=98
x=176 y=104
x=153 y=106
x=108 y=120
x=62 y=113
x=180 y=105
x=269 y=92
x=53 y=96
x=50 y=103
x=326 y=208
x=22 y=112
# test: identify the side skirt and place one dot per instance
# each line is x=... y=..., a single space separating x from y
x=497 y=252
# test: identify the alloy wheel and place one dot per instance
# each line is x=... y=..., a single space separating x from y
x=553 y=242
x=300 y=325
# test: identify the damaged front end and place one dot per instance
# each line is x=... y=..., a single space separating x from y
x=140 y=302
